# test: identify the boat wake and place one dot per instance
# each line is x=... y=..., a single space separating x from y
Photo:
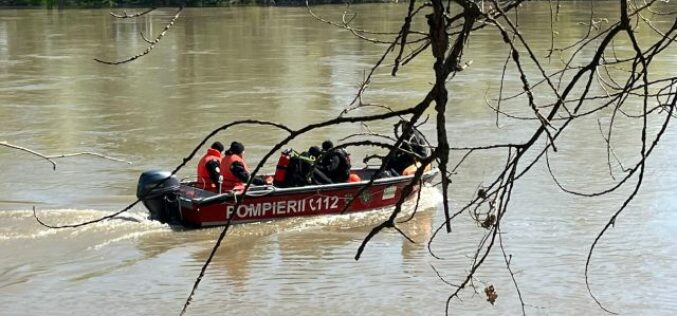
x=19 y=225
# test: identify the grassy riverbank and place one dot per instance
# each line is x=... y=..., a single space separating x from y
x=156 y=3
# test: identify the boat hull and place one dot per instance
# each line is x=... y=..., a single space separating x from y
x=194 y=207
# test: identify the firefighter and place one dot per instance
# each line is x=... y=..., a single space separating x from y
x=234 y=168
x=208 y=169
x=335 y=163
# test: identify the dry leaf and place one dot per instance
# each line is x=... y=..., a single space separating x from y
x=491 y=294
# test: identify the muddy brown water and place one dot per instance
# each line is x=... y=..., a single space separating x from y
x=222 y=64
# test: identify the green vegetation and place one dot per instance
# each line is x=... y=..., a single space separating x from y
x=153 y=3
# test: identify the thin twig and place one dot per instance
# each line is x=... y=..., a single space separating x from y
x=124 y=14
x=149 y=48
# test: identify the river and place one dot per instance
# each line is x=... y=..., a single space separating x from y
x=222 y=64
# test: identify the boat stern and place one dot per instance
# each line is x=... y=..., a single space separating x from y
x=159 y=190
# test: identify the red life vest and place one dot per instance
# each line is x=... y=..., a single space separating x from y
x=203 y=179
x=230 y=181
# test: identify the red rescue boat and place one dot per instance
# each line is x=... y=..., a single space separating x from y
x=185 y=204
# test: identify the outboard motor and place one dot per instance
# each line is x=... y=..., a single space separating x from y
x=158 y=190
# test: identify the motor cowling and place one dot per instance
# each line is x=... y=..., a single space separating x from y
x=158 y=191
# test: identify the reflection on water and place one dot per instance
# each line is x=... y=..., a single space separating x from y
x=110 y=257
x=223 y=64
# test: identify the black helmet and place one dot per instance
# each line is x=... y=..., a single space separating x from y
x=314 y=151
x=218 y=146
x=327 y=144
x=236 y=148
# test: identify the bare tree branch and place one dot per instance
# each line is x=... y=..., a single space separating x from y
x=50 y=158
x=149 y=48
x=124 y=14
x=30 y=151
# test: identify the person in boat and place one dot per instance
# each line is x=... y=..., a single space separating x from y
x=414 y=139
x=208 y=168
x=235 y=170
x=413 y=142
x=334 y=162
x=297 y=170
x=313 y=152
x=317 y=174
